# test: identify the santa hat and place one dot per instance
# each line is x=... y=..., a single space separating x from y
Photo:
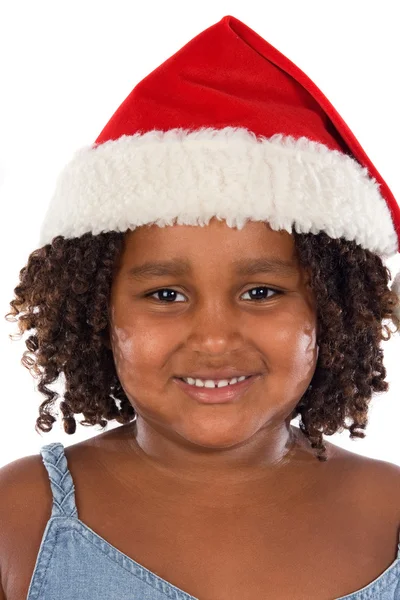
x=227 y=127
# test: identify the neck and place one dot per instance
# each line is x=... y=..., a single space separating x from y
x=270 y=463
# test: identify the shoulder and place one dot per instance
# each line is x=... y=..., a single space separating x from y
x=25 y=507
x=379 y=481
x=372 y=483
x=20 y=479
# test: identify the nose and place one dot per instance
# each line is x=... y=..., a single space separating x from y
x=215 y=328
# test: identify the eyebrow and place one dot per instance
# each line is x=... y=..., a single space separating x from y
x=242 y=267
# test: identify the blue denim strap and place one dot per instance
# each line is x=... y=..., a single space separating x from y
x=61 y=483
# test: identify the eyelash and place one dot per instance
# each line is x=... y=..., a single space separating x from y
x=277 y=292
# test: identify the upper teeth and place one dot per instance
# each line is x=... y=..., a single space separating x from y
x=211 y=383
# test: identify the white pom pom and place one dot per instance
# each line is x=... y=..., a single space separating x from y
x=395 y=287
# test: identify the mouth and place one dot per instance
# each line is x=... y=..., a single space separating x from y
x=216 y=395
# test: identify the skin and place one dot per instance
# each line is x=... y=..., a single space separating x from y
x=212 y=321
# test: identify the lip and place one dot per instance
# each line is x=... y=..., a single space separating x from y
x=229 y=393
x=217 y=374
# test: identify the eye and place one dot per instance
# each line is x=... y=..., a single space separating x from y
x=167 y=298
x=263 y=287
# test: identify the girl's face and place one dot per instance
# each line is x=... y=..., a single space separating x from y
x=212 y=317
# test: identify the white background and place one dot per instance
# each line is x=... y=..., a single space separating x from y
x=66 y=67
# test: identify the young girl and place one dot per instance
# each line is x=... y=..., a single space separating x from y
x=210 y=269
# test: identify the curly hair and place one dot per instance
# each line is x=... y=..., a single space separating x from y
x=64 y=291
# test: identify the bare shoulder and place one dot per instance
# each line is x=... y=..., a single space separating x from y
x=20 y=482
x=25 y=507
x=374 y=481
x=380 y=481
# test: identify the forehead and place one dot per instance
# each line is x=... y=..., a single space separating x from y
x=215 y=240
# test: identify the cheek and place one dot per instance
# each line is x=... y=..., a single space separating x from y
x=139 y=351
x=291 y=351
x=141 y=354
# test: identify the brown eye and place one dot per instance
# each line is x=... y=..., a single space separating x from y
x=169 y=299
x=264 y=297
x=166 y=299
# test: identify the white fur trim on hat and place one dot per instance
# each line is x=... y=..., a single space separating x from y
x=187 y=177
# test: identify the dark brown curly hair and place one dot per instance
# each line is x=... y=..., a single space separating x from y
x=64 y=290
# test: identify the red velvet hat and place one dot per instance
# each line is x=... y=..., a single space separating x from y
x=231 y=128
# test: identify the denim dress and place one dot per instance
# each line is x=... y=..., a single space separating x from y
x=74 y=563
